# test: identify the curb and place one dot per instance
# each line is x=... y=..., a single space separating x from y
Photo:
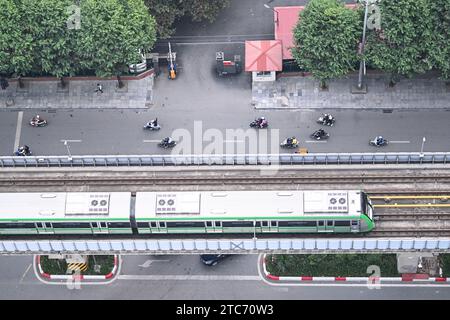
x=75 y=276
x=410 y=278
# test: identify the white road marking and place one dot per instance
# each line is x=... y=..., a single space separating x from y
x=151 y=141
x=25 y=273
x=316 y=141
x=399 y=142
x=18 y=130
x=189 y=277
x=147 y=263
x=70 y=140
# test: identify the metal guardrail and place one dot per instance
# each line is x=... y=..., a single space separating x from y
x=183 y=246
x=226 y=159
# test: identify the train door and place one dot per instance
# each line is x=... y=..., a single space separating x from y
x=162 y=226
x=99 y=227
x=265 y=226
x=273 y=227
x=213 y=226
x=44 y=227
x=325 y=226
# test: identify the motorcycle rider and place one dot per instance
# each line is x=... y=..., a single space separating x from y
x=328 y=119
x=291 y=141
x=24 y=150
x=379 y=140
x=37 y=119
x=153 y=123
x=319 y=133
x=261 y=121
x=167 y=141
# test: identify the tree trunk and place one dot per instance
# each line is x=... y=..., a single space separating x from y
x=120 y=82
x=63 y=83
x=20 y=81
x=323 y=85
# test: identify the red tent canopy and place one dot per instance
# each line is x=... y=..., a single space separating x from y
x=263 y=55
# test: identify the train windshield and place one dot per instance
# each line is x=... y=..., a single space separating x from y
x=367 y=205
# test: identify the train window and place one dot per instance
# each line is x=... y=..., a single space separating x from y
x=162 y=225
x=340 y=223
x=321 y=223
x=354 y=222
x=185 y=224
x=18 y=225
x=329 y=223
x=71 y=225
x=237 y=224
x=273 y=223
x=218 y=224
x=145 y=224
x=152 y=224
x=257 y=224
x=119 y=225
x=209 y=224
x=297 y=223
x=265 y=223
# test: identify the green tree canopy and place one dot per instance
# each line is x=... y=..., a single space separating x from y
x=400 y=46
x=112 y=33
x=439 y=45
x=167 y=12
x=326 y=39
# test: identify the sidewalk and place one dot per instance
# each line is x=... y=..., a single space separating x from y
x=297 y=92
x=42 y=93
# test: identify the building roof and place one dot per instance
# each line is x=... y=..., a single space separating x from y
x=285 y=19
x=263 y=55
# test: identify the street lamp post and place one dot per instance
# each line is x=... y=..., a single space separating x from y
x=68 y=150
x=269 y=7
x=421 y=149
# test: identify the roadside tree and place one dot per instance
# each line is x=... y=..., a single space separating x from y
x=439 y=46
x=400 y=47
x=326 y=39
x=111 y=35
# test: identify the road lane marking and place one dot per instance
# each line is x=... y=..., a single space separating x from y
x=151 y=141
x=147 y=263
x=25 y=273
x=70 y=140
x=189 y=277
x=399 y=142
x=18 y=130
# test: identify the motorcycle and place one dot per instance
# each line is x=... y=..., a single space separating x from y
x=38 y=123
x=151 y=127
x=287 y=145
x=320 y=135
x=323 y=121
x=255 y=124
x=375 y=143
x=23 y=153
x=167 y=144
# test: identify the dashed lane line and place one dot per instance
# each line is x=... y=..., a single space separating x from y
x=18 y=130
x=314 y=141
x=399 y=141
x=63 y=140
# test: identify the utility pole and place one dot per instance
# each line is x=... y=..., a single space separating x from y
x=360 y=88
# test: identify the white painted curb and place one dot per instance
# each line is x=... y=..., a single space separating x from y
x=373 y=280
x=74 y=276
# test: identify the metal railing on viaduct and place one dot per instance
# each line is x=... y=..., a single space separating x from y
x=236 y=246
x=227 y=159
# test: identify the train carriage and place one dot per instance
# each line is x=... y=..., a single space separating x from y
x=65 y=213
x=254 y=212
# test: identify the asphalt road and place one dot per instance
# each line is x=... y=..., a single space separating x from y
x=120 y=132
x=186 y=278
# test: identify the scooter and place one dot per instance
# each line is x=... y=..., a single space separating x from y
x=167 y=144
x=287 y=145
x=374 y=143
x=324 y=122
x=22 y=153
x=255 y=124
x=151 y=127
x=38 y=123
x=318 y=135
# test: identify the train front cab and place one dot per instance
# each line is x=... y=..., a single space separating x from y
x=366 y=221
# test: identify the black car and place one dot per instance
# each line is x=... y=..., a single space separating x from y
x=212 y=259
